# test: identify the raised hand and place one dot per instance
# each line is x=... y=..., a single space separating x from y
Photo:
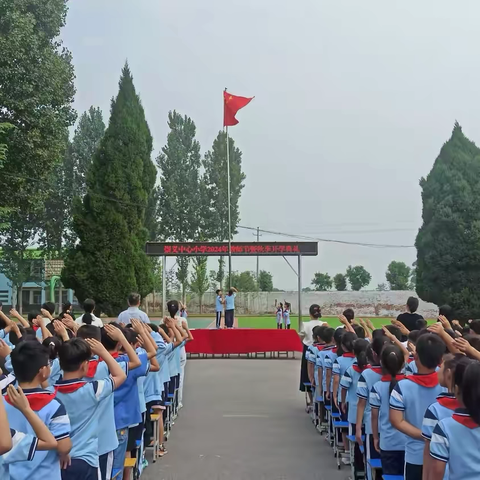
x=114 y=333
x=436 y=328
x=18 y=398
x=60 y=330
x=46 y=313
x=96 y=347
x=5 y=350
x=464 y=346
x=445 y=323
x=137 y=326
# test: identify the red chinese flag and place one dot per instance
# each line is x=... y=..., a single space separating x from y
x=232 y=104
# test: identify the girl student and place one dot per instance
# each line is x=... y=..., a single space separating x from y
x=391 y=443
x=279 y=314
x=367 y=380
x=455 y=439
x=286 y=315
x=349 y=398
x=446 y=403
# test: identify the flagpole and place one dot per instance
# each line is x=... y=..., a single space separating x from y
x=229 y=216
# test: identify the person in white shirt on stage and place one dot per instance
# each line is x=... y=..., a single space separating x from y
x=133 y=311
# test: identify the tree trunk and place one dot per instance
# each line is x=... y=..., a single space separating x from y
x=200 y=301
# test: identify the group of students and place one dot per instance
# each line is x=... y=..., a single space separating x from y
x=283 y=315
x=227 y=303
x=77 y=397
x=411 y=397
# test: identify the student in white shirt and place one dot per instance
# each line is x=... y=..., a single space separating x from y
x=306 y=335
x=89 y=318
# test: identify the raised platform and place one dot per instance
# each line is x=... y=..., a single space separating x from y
x=243 y=341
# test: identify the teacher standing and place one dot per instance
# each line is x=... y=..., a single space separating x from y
x=306 y=335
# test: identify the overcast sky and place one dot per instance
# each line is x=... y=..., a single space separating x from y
x=353 y=101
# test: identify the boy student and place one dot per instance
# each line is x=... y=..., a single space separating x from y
x=98 y=370
x=21 y=447
x=411 y=397
x=81 y=400
x=31 y=367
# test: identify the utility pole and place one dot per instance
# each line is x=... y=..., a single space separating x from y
x=258 y=258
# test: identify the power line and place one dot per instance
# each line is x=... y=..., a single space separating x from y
x=327 y=240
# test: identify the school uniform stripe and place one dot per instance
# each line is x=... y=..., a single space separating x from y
x=61 y=410
x=33 y=449
x=436 y=456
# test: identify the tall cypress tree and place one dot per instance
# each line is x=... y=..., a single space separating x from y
x=448 y=243
x=109 y=261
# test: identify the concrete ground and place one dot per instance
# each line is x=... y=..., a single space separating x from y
x=244 y=420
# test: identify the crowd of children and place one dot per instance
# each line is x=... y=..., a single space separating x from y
x=411 y=399
x=78 y=398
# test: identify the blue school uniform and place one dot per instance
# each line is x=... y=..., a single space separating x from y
x=411 y=368
x=367 y=380
x=23 y=449
x=218 y=304
x=390 y=438
x=286 y=316
x=348 y=382
x=323 y=359
x=143 y=356
x=82 y=399
x=153 y=383
x=455 y=441
x=52 y=412
x=444 y=407
x=279 y=315
x=5 y=381
x=414 y=399
x=55 y=372
x=340 y=366
x=230 y=302
x=107 y=435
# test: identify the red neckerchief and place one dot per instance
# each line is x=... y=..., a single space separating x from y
x=113 y=354
x=377 y=370
x=320 y=346
x=461 y=416
x=448 y=401
x=411 y=359
x=92 y=367
x=388 y=378
x=358 y=369
x=70 y=387
x=348 y=355
x=37 y=400
x=335 y=349
x=35 y=328
x=430 y=380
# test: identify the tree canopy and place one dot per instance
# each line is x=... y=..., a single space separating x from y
x=322 y=282
x=358 y=277
x=398 y=275
x=109 y=261
x=340 y=282
x=265 y=281
x=448 y=243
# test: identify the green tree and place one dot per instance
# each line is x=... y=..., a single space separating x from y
x=448 y=243
x=265 y=281
x=398 y=275
x=221 y=272
x=322 y=282
x=382 y=287
x=87 y=138
x=358 y=277
x=182 y=274
x=413 y=276
x=36 y=96
x=4 y=127
x=179 y=163
x=216 y=189
x=199 y=282
x=109 y=261
x=340 y=282
x=244 y=281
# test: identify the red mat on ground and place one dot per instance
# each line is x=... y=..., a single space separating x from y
x=247 y=340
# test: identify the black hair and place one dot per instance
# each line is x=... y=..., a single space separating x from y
x=317 y=331
x=374 y=350
x=378 y=332
x=134 y=299
x=288 y=305
x=164 y=328
x=412 y=304
x=53 y=344
x=349 y=314
x=3 y=323
x=32 y=316
x=87 y=318
x=218 y=291
x=73 y=353
x=446 y=311
x=413 y=336
x=475 y=326
x=450 y=362
x=470 y=389
x=392 y=362
x=89 y=305
x=348 y=339
x=360 y=350
x=27 y=359
x=328 y=334
x=89 y=331
x=131 y=336
x=315 y=311
x=473 y=341
x=154 y=327
x=50 y=307
x=172 y=307
x=420 y=324
x=28 y=334
x=359 y=331
x=337 y=336
x=66 y=306
x=107 y=341
x=430 y=349
x=395 y=331
x=231 y=291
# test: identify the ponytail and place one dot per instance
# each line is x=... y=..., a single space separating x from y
x=467 y=374
x=374 y=350
x=348 y=340
x=87 y=318
x=392 y=363
x=172 y=307
x=53 y=344
x=360 y=349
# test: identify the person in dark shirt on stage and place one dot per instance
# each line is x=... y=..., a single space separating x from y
x=410 y=317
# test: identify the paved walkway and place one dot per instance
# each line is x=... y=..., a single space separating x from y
x=244 y=420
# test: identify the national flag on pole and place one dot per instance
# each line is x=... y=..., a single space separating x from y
x=232 y=104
